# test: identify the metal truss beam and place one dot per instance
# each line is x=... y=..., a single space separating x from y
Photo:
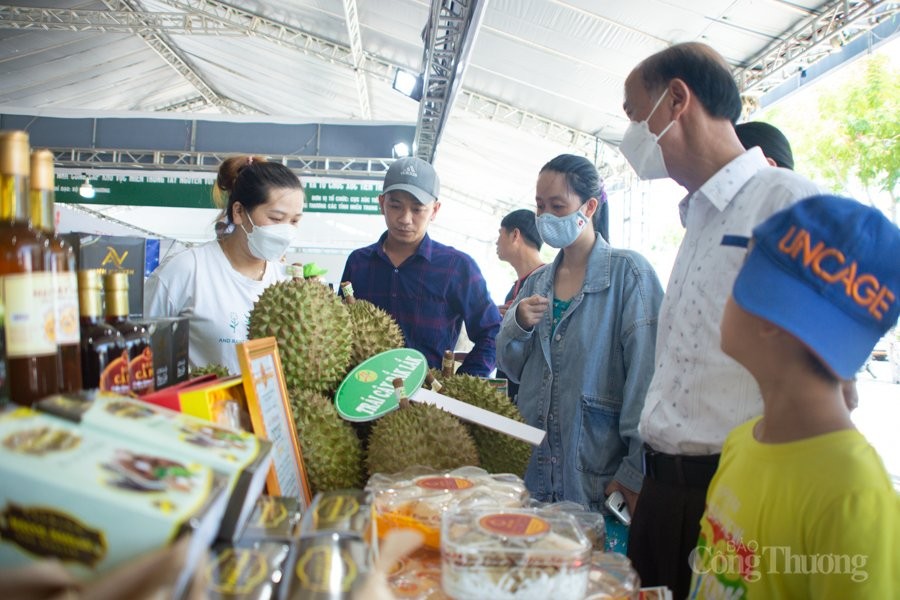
x=494 y=110
x=450 y=35
x=208 y=17
x=107 y=21
x=190 y=105
x=200 y=17
x=497 y=208
x=160 y=43
x=323 y=166
x=218 y=19
x=351 y=16
x=833 y=25
x=248 y=24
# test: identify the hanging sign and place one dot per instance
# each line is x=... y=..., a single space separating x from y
x=194 y=190
x=368 y=390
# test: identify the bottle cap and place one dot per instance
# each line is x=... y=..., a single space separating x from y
x=14 y=153
x=42 y=170
x=90 y=279
x=117 y=280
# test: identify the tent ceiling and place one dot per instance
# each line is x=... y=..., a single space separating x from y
x=542 y=76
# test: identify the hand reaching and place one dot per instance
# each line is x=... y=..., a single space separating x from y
x=530 y=311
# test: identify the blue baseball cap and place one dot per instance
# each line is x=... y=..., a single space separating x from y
x=827 y=270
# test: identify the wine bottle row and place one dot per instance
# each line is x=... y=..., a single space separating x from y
x=50 y=338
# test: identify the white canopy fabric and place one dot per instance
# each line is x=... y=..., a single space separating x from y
x=543 y=77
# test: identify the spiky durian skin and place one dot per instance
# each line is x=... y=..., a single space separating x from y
x=331 y=450
x=312 y=327
x=498 y=452
x=214 y=368
x=419 y=434
x=374 y=331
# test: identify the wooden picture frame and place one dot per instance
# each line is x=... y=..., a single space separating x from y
x=272 y=418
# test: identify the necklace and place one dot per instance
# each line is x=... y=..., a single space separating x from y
x=234 y=266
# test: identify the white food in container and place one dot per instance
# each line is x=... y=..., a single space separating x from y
x=498 y=554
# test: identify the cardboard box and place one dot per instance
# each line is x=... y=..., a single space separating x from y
x=221 y=401
x=113 y=253
x=95 y=500
x=242 y=457
x=169 y=340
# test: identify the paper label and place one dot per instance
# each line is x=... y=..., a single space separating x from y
x=115 y=377
x=45 y=532
x=140 y=372
x=30 y=319
x=514 y=525
x=444 y=483
x=67 y=325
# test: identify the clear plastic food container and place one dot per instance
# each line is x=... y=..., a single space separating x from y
x=417 y=498
x=505 y=554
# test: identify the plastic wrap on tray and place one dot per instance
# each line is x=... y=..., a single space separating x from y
x=592 y=524
x=274 y=518
x=417 y=498
x=418 y=577
x=517 y=553
x=248 y=570
x=330 y=565
x=612 y=577
x=344 y=511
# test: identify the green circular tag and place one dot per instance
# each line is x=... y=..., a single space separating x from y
x=367 y=392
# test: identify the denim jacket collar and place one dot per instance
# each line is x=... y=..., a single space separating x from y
x=596 y=278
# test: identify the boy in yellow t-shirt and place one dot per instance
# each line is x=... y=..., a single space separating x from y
x=801 y=505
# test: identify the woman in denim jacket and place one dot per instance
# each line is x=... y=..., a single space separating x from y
x=580 y=339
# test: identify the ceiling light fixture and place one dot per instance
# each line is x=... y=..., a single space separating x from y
x=400 y=150
x=86 y=190
x=409 y=84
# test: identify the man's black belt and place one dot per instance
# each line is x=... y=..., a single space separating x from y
x=678 y=469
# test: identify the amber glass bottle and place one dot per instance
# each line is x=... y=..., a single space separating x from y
x=137 y=338
x=59 y=260
x=4 y=370
x=104 y=357
x=28 y=290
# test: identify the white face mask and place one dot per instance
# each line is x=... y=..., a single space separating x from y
x=640 y=148
x=270 y=242
x=561 y=232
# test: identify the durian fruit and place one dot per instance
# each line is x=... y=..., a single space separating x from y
x=498 y=452
x=331 y=450
x=312 y=327
x=374 y=330
x=218 y=370
x=419 y=434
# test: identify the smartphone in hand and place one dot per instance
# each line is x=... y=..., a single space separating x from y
x=616 y=504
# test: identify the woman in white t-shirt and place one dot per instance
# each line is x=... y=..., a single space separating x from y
x=217 y=283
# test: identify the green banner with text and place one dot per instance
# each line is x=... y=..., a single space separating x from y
x=195 y=191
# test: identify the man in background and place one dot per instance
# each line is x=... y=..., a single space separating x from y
x=519 y=244
x=774 y=145
x=430 y=289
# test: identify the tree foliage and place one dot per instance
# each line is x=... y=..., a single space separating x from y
x=849 y=135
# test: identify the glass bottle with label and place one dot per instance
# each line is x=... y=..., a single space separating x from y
x=104 y=356
x=59 y=260
x=137 y=338
x=4 y=370
x=27 y=289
